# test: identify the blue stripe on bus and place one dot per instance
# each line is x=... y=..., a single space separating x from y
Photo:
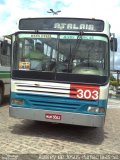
x=65 y=104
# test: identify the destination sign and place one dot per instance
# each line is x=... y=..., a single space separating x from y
x=61 y=24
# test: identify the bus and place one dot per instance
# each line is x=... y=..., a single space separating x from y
x=60 y=70
x=5 y=50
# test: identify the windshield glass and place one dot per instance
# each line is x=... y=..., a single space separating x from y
x=74 y=54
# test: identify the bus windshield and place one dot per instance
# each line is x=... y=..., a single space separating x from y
x=70 y=53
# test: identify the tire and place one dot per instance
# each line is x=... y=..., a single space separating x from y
x=1 y=96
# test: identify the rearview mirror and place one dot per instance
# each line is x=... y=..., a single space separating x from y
x=113 y=44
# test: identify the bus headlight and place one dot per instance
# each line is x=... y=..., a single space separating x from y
x=96 y=109
x=17 y=101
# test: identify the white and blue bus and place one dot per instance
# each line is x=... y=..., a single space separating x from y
x=60 y=70
x=5 y=49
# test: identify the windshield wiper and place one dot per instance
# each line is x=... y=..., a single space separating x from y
x=74 y=50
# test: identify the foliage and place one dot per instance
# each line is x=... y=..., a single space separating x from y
x=114 y=83
x=112 y=78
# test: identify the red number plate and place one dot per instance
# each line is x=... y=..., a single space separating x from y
x=53 y=116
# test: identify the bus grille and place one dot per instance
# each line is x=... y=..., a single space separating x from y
x=50 y=98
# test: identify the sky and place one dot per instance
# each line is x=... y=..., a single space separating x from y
x=12 y=11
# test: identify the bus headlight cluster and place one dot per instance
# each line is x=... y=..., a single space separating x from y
x=96 y=109
x=17 y=101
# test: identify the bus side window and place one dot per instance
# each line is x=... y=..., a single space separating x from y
x=39 y=47
x=5 y=53
x=4 y=46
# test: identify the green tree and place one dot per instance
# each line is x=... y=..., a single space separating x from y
x=112 y=78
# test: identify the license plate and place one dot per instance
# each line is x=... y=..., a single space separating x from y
x=53 y=116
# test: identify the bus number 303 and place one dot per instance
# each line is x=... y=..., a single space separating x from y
x=87 y=94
